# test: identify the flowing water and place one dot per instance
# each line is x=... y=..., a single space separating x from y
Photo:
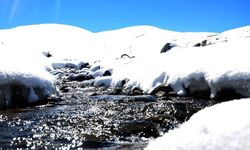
x=92 y=123
x=94 y=118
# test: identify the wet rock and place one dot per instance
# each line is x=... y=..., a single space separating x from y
x=203 y=43
x=80 y=77
x=141 y=128
x=161 y=91
x=133 y=91
x=82 y=65
x=143 y=98
x=117 y=91
x=226 y=94
x=197 y=45
x=107 y=73
x=167 y=47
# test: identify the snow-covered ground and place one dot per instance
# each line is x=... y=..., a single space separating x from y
x=224 y=126
x=133 y=54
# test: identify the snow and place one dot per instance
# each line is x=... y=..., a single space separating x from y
x=220 y=127
x=222 y=64
x=132 y=55
x=23 y=77
x=215 y=67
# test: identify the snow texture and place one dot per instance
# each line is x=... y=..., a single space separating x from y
x=198 y=62
x=23 y=78
x=223 y=126
x=211 y=68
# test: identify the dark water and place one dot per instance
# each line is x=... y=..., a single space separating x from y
x=91 y=125
x=92 y=118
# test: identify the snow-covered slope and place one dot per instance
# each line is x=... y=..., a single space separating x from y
x=61 y=40
x=225 y=126
x=144 y=41
x=221 y=61
x=215 y=67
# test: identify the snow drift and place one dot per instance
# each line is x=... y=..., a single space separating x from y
x=23 y=78
x=212 y=68
x=220 y=127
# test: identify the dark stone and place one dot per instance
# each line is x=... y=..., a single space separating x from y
x=227 y=94
x=116 y=91
x=71 y=65
x=107 y=73
x=134 y=91
x=47 y=54
x=83 y=65
x=126 y=55
x=139 y=128
x=204 y=43
x=80 y=77
x=197 y=45
x=143 y=98
x=161 y=91
x=167 y=47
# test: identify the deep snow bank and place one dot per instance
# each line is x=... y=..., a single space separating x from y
x=212 y=68
x=221 y=127
x=23 y=78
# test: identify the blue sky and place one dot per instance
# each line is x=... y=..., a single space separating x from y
x=100 y=15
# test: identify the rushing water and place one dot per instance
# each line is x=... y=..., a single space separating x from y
x=60 y=126
x=88 y=123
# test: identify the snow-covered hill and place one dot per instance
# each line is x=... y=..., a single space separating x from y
x=189 y=62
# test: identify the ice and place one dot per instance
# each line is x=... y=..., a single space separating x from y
x=220 y=127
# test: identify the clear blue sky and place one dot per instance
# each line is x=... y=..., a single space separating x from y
x=99 y=15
